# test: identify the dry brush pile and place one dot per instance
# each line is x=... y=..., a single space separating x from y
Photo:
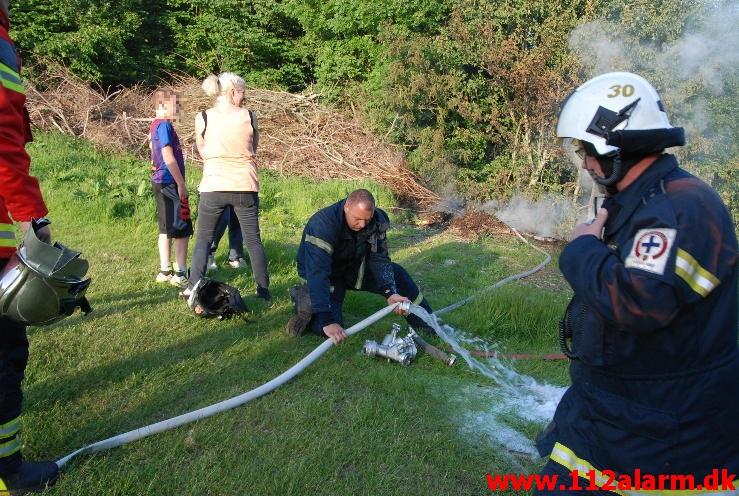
x=298 y=135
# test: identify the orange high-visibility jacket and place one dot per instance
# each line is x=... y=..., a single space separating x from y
x=20 y=195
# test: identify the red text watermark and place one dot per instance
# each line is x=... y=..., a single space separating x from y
x=596 y=480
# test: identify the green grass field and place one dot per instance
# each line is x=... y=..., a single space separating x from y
x=347 y=425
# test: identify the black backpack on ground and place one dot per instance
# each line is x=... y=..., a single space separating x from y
x=210 y=298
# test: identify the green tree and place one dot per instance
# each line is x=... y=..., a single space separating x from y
x=255 y=38
x=478 y=100
x=107 y=42
x=343 y=39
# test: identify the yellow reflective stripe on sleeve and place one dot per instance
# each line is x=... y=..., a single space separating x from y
x=360 y=276
x=7 y=449
x=699 y=279
x=322 y=244
x=11 y=79
x=10 y=428
x=10 y=74
x=3 y=488
x=418 y=299
x=568 y=459
x=7 y=240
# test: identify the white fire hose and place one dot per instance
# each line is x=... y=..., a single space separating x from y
x=281 y=379
x=228 y=404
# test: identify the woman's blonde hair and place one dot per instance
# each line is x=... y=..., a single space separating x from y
x=220 y=85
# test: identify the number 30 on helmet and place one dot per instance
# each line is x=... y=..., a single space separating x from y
x=42 y=283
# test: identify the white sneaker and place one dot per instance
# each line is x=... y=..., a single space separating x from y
x=179 y=280
x=239 y=263
x=164 y=276
x=212 y=265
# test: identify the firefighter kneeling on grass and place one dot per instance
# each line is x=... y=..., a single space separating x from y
x=39 y=284
x=344 y=247
x=653 y=323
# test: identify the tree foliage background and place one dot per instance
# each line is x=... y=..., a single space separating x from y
x=470 y=87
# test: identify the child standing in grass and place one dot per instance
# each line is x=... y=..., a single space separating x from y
x=170 y=190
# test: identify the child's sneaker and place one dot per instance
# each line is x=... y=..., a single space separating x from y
x=164 y=276
x=212 y=265
x=239 y=263
x=179 y=279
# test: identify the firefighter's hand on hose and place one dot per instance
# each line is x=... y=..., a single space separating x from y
x=335 y=332
x=594 y=227
x=43 y=234
x=396 y=298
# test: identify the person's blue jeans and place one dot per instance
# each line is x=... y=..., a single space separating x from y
x=235 y=239
x=406 y=287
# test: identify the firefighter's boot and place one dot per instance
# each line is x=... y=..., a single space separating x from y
x=299 y=322
x=31 y=477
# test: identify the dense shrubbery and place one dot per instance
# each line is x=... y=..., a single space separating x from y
x=470 y=87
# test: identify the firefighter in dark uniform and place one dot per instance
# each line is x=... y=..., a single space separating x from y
x=24 y=293
x=652 y=328
x=344 y=247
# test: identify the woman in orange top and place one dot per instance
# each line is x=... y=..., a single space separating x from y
x=227 y=138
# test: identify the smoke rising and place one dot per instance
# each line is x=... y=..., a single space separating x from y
x=696 y=76
x=687 y=72
x=549 y=216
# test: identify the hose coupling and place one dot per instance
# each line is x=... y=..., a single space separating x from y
x=405 y=307
x=394 y=348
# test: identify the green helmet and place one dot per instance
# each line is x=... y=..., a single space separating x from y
x=42 y=283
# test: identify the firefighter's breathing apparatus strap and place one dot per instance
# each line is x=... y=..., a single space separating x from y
x=268 y=387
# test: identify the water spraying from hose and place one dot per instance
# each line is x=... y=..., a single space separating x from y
x=514 y=394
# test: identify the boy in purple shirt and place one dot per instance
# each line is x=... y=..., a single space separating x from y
x=170 y=190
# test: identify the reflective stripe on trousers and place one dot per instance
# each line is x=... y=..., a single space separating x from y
x=568 y=459
x=9 y=442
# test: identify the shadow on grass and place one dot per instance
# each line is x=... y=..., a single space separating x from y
x=280 y=259
x=120 y=303
x=236 y=376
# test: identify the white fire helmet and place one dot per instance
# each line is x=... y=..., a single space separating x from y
x=610 y=102
x=617 y=118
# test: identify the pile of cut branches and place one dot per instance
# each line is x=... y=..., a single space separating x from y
x=298 y=135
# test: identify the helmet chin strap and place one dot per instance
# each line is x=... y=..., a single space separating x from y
x=612 y=168
x=615 y=168
x=632 y=147
x=614 y=165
